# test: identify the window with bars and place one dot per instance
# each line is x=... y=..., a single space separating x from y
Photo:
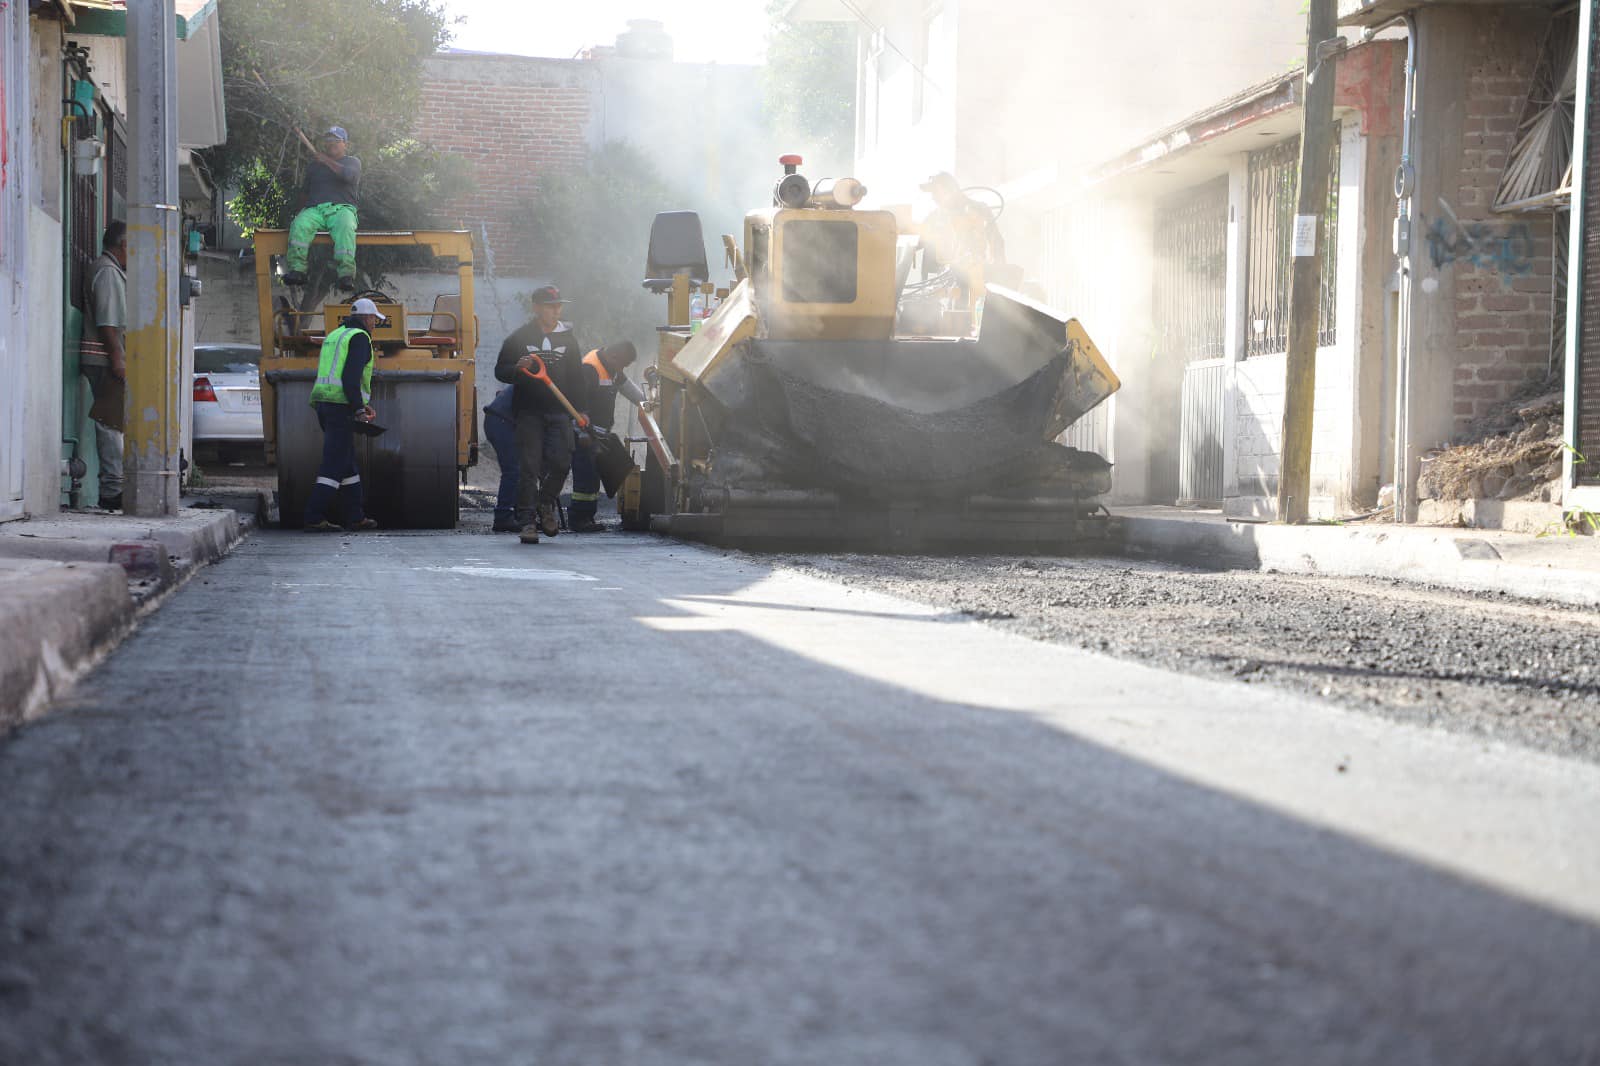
x=1273 y=172
x=1191 y=272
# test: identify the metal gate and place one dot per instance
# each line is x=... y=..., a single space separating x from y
x=1200 y=442
x=1191 y=276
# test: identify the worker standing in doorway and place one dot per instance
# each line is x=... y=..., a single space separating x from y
x=342 y=396
x=330 y=204
x=605 y=378
x=543 y=427
x=103 y=360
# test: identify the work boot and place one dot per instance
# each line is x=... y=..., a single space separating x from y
x=587 y=525
x=506 y=524
x=347 y=283
x=362 y=526
x=530 y=535
x=549 y=521
x=322 y=525
x=294 y=277
x=112 y=503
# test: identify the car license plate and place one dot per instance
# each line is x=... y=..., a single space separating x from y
x=252 y=399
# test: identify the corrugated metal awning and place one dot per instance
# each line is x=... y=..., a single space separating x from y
x=109 y=18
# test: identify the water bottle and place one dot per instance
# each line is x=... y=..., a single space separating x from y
x=697 y=310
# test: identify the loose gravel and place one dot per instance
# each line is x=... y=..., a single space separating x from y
x=1524 y=673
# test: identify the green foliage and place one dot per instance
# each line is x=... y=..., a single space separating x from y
x=590 y=229
x=810 y=89
x=261 y=202
x=318 y=63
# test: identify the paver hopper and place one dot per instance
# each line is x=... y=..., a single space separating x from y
x=794 y=416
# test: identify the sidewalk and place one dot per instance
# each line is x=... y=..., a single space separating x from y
x=1556 y=567
x=72 y=586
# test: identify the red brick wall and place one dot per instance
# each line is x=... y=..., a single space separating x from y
x=1502 y=263
x=513 y=119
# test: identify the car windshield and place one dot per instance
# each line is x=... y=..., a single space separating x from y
x=239 y=359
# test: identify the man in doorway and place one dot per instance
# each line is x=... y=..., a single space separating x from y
x=342 y=396
x=104 y=360
x=330 y=204
x=543 y=427
x=605 y=378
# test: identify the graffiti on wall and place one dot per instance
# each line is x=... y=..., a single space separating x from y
x=1504 y=247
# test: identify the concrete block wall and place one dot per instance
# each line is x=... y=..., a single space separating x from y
x=1258 y=427
x=513 y=118
x=1502 y=265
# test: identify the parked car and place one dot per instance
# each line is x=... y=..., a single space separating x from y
x=227 y=398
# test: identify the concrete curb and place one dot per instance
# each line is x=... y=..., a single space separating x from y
x=73 y=585
x=1419 y=555
x=56 y=620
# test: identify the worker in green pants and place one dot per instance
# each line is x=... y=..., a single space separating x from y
x=330 y=204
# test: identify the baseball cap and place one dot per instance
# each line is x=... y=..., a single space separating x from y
x=336 y=131
x=548 y=294
x=365 y=306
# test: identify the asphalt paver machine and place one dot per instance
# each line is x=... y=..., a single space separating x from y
x=423 y=387
x=795 y=416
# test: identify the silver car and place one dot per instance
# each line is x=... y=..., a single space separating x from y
x=227 y=397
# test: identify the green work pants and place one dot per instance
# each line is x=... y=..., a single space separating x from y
x=340 y=222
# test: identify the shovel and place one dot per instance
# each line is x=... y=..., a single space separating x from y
x=541 y=374
x=613 y=462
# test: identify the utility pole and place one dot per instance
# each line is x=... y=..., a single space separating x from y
x=152 y=431
x=1305 y=279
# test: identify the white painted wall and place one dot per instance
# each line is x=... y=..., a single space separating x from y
x=16 y=100
x=41 y=298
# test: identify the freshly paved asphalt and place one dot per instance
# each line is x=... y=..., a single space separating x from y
x=445 y=799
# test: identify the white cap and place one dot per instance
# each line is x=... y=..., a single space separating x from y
x=365 y=306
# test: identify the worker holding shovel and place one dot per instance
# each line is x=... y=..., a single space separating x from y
x=544 y=362
x=330 y=204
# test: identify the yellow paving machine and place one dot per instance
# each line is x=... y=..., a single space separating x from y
x=796 y=416
x=423 y=386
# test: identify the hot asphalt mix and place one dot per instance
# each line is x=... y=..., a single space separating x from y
x=1523 y=673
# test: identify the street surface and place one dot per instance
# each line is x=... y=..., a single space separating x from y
x=445 y=799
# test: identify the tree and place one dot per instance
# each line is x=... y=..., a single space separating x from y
x=591 y=229
x=810 y=88
x=320 y=63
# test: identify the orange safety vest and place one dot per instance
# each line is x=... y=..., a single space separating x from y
x=603 y=404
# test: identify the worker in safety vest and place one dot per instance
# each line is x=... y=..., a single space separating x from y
x=604 y=371
x=343 y=396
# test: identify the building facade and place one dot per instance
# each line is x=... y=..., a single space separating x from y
x=63 y=178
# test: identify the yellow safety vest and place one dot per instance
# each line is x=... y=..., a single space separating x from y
x=330 y=368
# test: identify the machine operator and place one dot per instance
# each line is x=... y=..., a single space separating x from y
x=960 y=233
x=330 y=204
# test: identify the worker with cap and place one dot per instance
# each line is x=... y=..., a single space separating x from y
x=605 y=378
x=330 y=204
x=960 y=233
x=544 y=430
x=342 y=396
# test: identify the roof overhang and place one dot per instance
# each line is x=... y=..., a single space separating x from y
x=109 y=18
x=1200 y=146
x=1373 y=12
x=818 y=11
x=60 y=8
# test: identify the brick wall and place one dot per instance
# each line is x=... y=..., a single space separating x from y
x=1502 y=263
x=513 y=119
